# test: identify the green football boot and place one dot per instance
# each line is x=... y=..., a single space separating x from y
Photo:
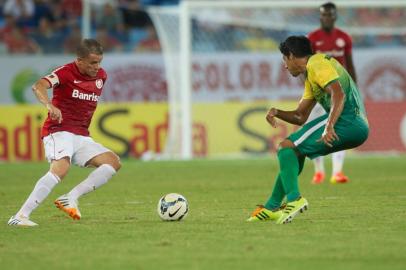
x=292 y=209
x=263 y=214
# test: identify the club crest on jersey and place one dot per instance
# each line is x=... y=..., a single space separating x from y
x=83 y=96
x=99 y=83
x=340 y=42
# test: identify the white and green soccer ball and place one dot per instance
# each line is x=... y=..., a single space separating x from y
x=172 y=207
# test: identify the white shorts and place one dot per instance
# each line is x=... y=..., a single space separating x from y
x=316 y=112
x=79 y=149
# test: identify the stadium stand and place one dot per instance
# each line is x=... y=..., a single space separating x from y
x=53 y=26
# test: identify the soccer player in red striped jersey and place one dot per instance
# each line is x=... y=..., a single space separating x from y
x=332 y=41
x=77 y=87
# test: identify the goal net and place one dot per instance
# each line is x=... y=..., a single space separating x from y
x=224 y=69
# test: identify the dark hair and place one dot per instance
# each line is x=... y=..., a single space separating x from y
x=329 y=6
x=88 y=46
x=299 y=46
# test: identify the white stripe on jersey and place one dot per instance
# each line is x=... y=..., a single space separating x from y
x=309 y=132
x=52 y=78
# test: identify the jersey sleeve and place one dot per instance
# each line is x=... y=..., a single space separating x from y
x=307 y=94
x=104 y=76
x=57 y=76
x=348 y=45
x=323 y=72
x=312 y=37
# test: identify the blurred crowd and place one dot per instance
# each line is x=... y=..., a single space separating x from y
x=261 y=30
x=232 y=38
x=54 y=26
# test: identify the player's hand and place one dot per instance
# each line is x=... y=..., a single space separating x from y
x=329 y=136
x=54 y=113
x=270 y=117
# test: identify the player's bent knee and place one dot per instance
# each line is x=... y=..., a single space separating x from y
x=116 y=164
x=113 y=160
x=108 y=158
x=60 y=167
x=286 y=144
x=60 y=174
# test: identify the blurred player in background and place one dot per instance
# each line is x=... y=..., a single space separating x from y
x=77 y=87
x=334 y=42
x=344 y=126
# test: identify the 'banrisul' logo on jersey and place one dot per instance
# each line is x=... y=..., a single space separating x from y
x=83 y=96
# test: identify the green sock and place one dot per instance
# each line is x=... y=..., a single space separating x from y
x=289 y=170
x=277 y=196
x=301 y=160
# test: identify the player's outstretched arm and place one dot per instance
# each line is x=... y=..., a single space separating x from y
x=296 y=117
x=40 y=89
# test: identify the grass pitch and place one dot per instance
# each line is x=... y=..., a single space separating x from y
x=360 y=225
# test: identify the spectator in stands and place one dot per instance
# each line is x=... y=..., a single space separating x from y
x=109 y=17
x=42 y=9
x=367 y=16
x=387 y=41
x=21 y=10
x=134 y=15
x=73 y=8
x=47 y=38
x=19 y=42
x=60 y=18
x=361 y=41
x=72 y=40
x=109 y=43
x=394 y=17
x=160 y=2
x=9 y=24
x=150 y=43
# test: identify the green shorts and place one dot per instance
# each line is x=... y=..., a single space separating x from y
x=352 y=131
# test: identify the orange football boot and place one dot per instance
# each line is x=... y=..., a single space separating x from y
x=69 y=206
x=339 y=178
x=318 y=178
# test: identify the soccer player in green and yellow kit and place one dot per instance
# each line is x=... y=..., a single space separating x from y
x=344 y=126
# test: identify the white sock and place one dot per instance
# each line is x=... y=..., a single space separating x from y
x=97 y=178
x=319 y=164
x=338 y=161
x=41 y=190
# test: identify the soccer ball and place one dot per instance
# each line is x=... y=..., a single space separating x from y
x=172 y=207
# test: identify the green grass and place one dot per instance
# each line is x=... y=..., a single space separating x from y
x=360 y=225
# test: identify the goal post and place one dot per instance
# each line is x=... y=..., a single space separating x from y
x=185 y=79
x=199 y=30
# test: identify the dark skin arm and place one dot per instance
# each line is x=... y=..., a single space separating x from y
x=350 y=67
x=302 y=112
x=337 y=104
